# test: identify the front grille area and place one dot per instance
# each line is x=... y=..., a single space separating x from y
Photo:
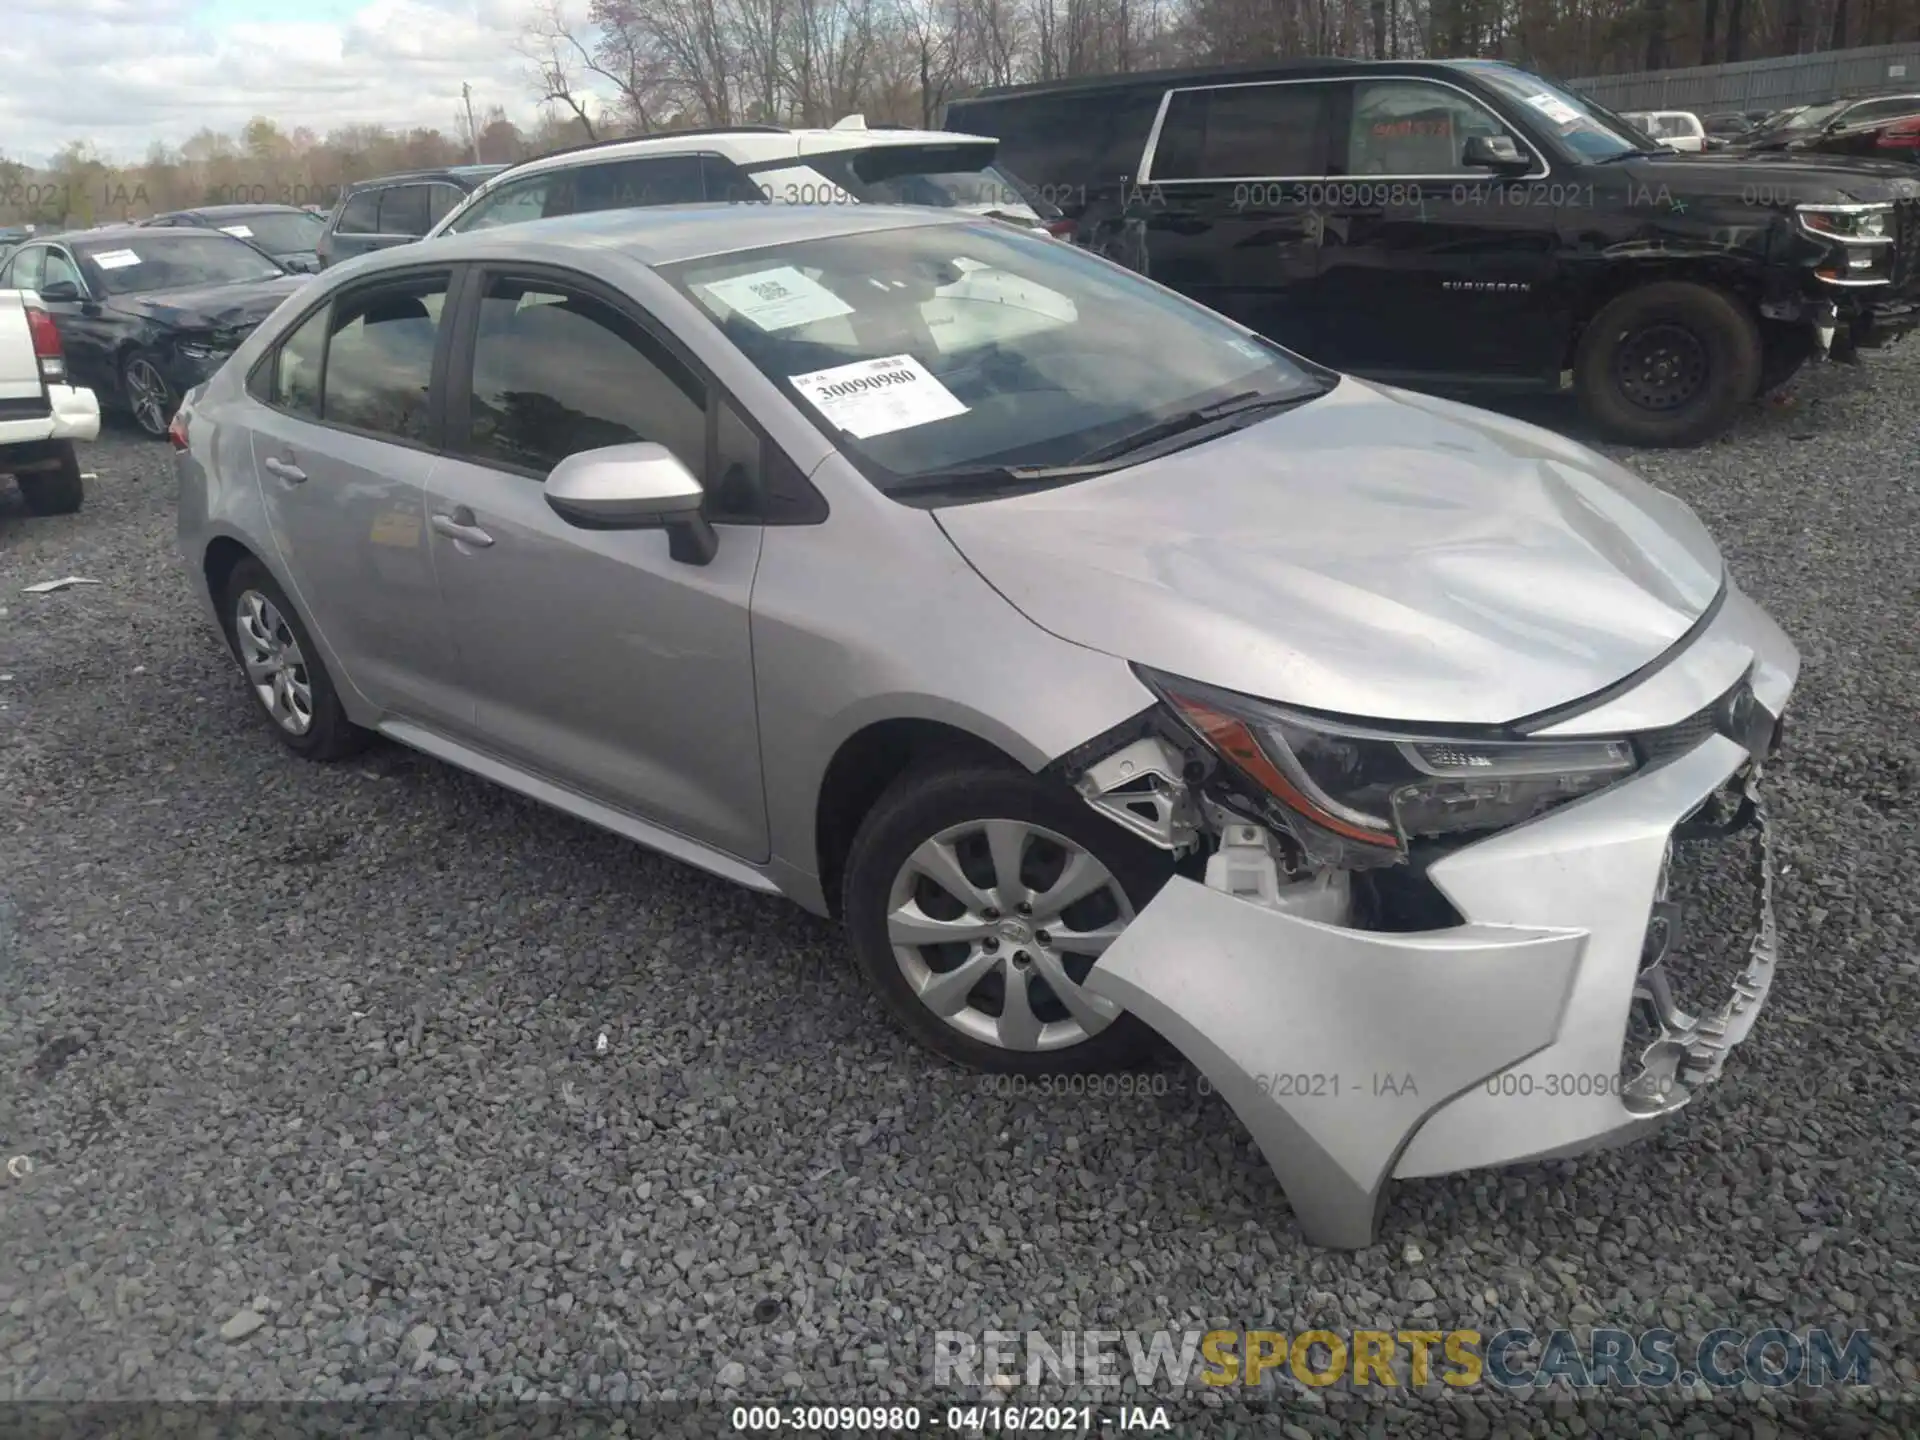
x=1677 y=739
x=1906 y=243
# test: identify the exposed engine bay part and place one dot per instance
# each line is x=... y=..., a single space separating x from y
x=1248 y=866
x=1141 y=788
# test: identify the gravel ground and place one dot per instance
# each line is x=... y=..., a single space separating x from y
x=304 y=1060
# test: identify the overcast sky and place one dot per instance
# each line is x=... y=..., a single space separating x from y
x=123 y=73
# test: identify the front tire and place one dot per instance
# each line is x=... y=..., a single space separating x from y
x=150 y=399
x=1668 y=364
x=54 y=492
x=283 y=669
x=977 y=899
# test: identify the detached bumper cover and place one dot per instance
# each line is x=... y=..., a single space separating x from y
x=1356 y=1056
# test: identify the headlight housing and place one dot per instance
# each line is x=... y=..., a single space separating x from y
x=1360 y=792
x=1870 y=224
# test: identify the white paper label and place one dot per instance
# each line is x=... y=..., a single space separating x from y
x=778 y=299
x=877 y=397
x=1555 y=109
x=241 y=230
x=116 y=259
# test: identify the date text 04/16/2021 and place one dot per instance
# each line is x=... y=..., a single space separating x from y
x=964 y=1420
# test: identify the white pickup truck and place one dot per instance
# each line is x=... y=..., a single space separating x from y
x=41 y=415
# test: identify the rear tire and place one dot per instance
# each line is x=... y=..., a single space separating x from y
x=1668 y=364
x=1006 y=838
x=54 y=492
x=283 y=669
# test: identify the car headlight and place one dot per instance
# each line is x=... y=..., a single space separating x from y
x=1871 y=224
x=1376 y=787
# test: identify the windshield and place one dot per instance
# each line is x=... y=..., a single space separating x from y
x=278 y=232
x=177 y=260
x=972 y=346
x=1801 y=121
x=1589 y=130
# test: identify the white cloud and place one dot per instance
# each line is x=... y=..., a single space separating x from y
x=124 y=73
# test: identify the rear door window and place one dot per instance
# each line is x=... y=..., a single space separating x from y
x=361 y=215
x=404 y=210
x=1244 y=132
x=637 y=184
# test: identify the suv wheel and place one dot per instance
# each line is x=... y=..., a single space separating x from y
x=57 y=491
x=977 y=899
x=283 y=669
x=1667 y=364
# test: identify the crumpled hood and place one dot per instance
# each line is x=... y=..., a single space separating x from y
x=1374 y=553
x=212 y=307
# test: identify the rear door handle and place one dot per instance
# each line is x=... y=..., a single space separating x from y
x=285 y=469
x=459 y=526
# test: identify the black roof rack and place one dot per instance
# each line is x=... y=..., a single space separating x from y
x=1202 y=73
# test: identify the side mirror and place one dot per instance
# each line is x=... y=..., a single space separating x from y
x=1499 y=153
x=634 y=487
x=60 y=290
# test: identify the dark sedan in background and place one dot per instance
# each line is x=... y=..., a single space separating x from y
x=145 y=314
x=286 y=232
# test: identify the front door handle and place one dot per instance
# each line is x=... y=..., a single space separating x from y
x=285 y=469
x=459 y=526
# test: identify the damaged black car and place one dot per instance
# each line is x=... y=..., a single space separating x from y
x=146 y=314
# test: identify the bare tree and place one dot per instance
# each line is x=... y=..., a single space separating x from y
x=559 y=60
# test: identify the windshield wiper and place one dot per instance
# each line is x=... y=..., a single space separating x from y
x=980 y=482
x=1244 y=402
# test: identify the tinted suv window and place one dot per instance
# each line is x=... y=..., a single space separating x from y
x=1244 y=132
x=403 y=210
x=632 y=184
x=555 y=373
x=361 y=215
x=1409 y=127
x=380 y=357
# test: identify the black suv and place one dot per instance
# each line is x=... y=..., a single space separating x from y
x=1468 y=226
x=395 y=209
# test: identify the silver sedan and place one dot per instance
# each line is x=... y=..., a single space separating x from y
x=1109 y=670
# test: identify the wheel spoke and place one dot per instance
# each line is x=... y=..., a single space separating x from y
x=1082 y=876
x=1007 y=844
x=910 y=925
x=1091 y=1010
x=946 y=994
x=936 y=860
x=1085 y=942
x=1019 y=1027
x=260 y=670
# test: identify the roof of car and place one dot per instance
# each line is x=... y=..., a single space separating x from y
x=810 y=138
x=226 y=211
x=434 y=172
x=1270 y=69
x=662 y=234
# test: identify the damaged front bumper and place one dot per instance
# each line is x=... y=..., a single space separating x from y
x=1545 y=1025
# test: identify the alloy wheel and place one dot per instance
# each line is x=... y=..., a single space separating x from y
x=147 y=396
x=996 y=923
x=275 y=666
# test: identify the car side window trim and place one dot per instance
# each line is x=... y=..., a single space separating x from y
x=435 y=441
x=457 y=398
x=1146 y=177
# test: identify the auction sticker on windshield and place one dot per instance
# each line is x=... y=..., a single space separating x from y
x=877 y=397
x=778 y=299
x=116 y=259
x=1555 y=109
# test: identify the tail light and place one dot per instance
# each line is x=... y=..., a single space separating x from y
x=177 y=431
x=1061 y=229
x=1902 y=135
x=46 y=343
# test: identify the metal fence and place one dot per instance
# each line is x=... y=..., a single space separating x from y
x=1759 y=84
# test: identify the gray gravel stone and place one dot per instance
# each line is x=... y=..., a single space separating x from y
x=243 y=1324
x=217 y=961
